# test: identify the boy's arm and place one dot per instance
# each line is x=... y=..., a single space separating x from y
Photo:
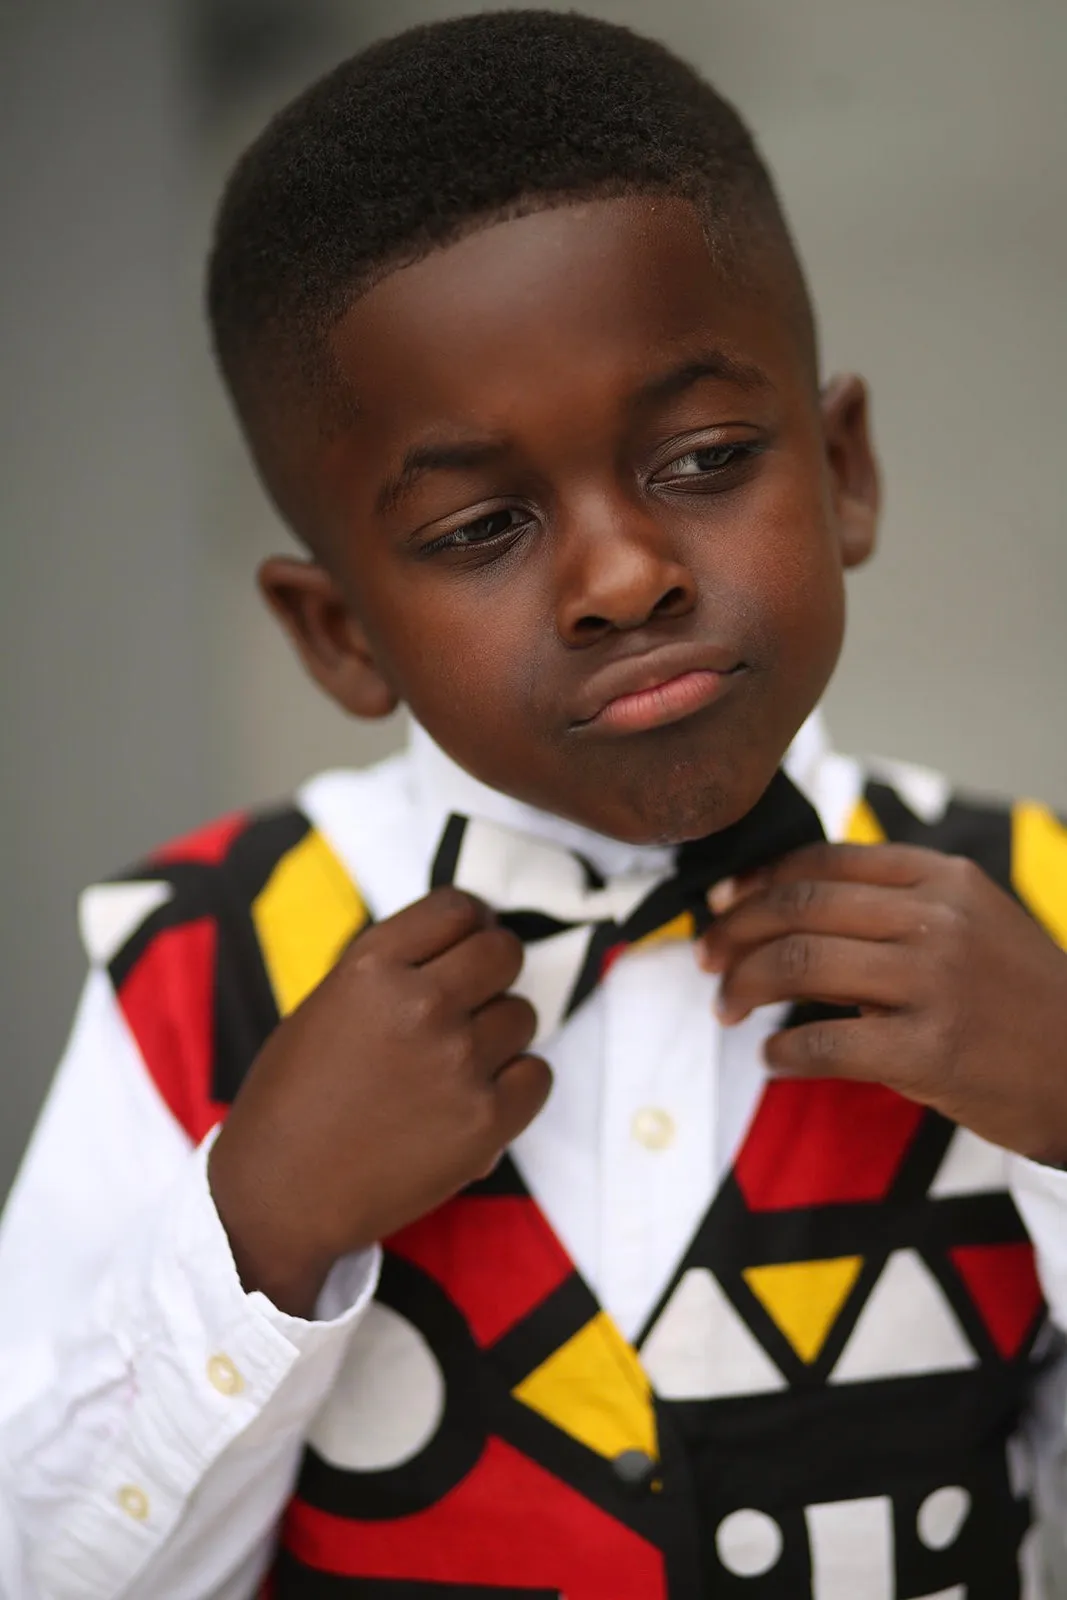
x=962 y=1001
x=151 y=1412
x=156 y=1399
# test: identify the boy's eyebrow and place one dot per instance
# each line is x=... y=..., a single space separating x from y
x=459 y=456
x=705 y=364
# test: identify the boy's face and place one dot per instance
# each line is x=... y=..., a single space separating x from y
x=588 y=518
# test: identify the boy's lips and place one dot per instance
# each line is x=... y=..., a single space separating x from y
x=657 y=688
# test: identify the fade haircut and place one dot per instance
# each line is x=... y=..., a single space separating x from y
x=427 y=136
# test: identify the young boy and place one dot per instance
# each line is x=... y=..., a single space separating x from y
x=516 y=333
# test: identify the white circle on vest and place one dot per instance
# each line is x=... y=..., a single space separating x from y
x=941 y=1516
x=749 y=1543
x=387 y=1401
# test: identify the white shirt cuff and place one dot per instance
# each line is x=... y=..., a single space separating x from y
x=193 y=1361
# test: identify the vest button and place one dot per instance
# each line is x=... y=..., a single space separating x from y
x=634 y=1469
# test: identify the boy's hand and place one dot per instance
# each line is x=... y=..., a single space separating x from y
x=399 y=1080
x=963 y=997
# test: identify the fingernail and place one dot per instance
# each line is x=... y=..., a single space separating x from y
x=724 y=1012
x=721 y=896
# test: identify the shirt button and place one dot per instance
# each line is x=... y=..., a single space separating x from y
x=634 y=1470
x=134 y=1502
x=653 y=1128
x=224 y=1376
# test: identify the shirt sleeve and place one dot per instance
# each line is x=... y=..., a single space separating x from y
x=152 y=1414
x=1040 y=1193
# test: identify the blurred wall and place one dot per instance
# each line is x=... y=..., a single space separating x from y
x=919 y=147
x=105 y=725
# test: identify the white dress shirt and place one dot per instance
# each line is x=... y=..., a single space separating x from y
x=152 y=1414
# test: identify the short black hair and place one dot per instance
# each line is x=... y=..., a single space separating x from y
x=427 y=135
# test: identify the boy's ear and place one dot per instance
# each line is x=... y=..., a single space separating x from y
x=332 y=645
x=854 y=481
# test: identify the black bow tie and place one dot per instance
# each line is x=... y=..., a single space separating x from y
x=574 y=922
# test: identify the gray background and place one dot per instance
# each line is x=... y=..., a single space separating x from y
x=920 y=147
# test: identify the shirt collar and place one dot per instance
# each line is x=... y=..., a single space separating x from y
x=441 y=787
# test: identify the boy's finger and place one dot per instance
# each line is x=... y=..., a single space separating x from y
x=478 y=968
x=428 y=928
x=843 y=1047
x=521 y=1089
x=502 y=1029
x=814 y=967
x=805 y=905
x=898 y=866
x=891 y=865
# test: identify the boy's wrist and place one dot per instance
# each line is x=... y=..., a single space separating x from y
x=290 y=1273
x=294 y=1290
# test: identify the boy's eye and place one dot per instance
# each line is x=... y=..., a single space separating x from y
x=490 y=526
x=494 y=525
x=703 y=462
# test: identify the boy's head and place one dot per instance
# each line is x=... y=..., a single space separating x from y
x=524 y=354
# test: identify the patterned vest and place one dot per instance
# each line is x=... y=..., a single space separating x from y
x=824 y=1402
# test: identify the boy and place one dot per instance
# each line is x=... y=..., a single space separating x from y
x=524 y=355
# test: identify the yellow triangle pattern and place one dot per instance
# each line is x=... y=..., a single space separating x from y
x=1039 y=865
x=594 y=1388
x=804 y=1297
x=863 y=826
x=683 y=926
x=304 y=916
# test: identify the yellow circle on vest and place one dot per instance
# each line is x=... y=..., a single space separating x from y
x=134 y=1502
x=653 y=1127
x=224 y=1376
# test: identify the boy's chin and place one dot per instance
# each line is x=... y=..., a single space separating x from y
x=670 y=808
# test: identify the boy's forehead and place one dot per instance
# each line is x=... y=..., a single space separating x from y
x=617 y=287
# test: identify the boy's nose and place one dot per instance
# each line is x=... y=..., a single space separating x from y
x=617 y=576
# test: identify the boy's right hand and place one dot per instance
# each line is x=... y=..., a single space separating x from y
x=399 y=1080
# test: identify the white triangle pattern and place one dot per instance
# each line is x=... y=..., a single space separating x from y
x=906 y=1327
x=970 y=1166
x=109 y=913
x=699 y=1348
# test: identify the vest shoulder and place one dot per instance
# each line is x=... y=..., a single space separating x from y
x=204 y=873
x=1021 y=844
x=212 y=938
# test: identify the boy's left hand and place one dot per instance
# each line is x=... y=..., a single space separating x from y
x=963 y=997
